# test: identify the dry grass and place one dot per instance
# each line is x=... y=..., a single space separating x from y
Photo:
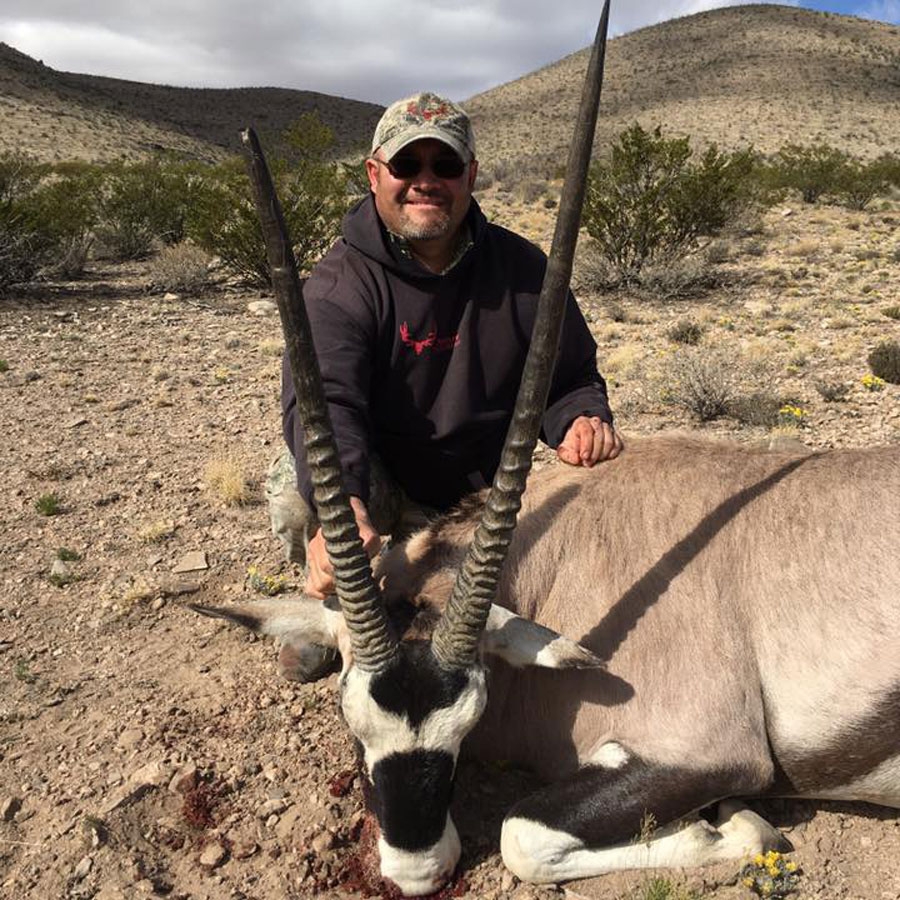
x=182 y=268
x=157 y=531
x=227 y=479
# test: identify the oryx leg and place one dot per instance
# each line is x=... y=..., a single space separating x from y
x=604 y=819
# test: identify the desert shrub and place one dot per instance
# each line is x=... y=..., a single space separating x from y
x=650 y=202
x=858 y=183
x=887 y=167
x=313 y=194
x=142 y=203
x=832 y=391
x=678 y=279
x=63 y=209
x=22 y=247
x=686 y=331
x=532 y=189
x=182 y=267
x=884 y=361
x=755 y=408
x=705 y=384
x=892 y=312
x=813 y=171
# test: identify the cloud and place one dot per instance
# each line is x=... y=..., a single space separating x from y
x=881 y=11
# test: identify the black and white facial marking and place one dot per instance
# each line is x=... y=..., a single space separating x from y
x=411 y=719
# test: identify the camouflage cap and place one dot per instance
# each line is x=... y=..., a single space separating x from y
x=424 y=115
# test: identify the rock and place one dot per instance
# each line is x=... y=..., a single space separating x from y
x=271 y=808
x=59 y=570
x=154 y=774
x=9 y=806
x=83 y=868
x=213 y=856
x=192 y=562
x=185 y=779
x=244 y=848
x=322 y=842
x=176 y=587
x=170 y=296
x=262 y=308
x=288 y=821
x=129 y=738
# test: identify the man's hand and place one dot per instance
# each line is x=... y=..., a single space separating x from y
x=320 y=579
x=589 y=440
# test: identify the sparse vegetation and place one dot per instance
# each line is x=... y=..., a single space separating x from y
x=157 y=532
x=226 y=478
x=65 y=554
x=182 y=268
x=48 y=504
x=832 y=391
x=884 y=361
x=23 y=671
x=686 y=331
x=705 y=384
x=659 y=888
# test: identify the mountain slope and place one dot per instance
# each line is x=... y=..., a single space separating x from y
x=765 y=75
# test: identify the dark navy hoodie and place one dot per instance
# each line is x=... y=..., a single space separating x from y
x=423 y=369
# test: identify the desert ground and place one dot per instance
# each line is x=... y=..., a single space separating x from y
x=146 y=751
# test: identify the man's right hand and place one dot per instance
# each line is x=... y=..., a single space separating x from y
x=320 y=577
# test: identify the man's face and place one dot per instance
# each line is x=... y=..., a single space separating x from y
x=423 y=206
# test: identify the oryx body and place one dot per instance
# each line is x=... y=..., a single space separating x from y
x=747 y=606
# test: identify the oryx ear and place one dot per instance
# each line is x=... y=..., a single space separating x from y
x=521 y=642
x=298 y=619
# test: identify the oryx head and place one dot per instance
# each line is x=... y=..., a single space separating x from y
x=411 y=702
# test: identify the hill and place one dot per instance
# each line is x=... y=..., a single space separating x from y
x=756 y=74
x=62 y=115
x=764 y=75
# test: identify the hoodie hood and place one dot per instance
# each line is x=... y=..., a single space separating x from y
x=364 y=231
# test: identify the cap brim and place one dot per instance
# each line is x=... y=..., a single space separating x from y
x=392 y=147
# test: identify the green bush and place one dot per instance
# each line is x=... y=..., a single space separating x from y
x=63 y=209
x=858 y=183
x=650 y=202
x=813 y=171
x=884 y=361
x=21 y=246
x=144 y=202
x=887 y=166
x=313 y=192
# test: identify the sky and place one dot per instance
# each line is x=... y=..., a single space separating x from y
x=374 y=50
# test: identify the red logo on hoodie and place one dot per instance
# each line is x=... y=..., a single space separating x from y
x=430 y=341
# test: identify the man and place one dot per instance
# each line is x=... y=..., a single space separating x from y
x=421 y=316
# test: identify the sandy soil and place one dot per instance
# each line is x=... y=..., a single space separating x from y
x=145 y=751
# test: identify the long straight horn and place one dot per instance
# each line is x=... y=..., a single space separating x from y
x=455 y=640
x=357 y=591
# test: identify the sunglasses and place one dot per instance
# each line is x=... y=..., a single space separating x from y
x=404 y=167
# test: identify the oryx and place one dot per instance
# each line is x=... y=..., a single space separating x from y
x=723 y=622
